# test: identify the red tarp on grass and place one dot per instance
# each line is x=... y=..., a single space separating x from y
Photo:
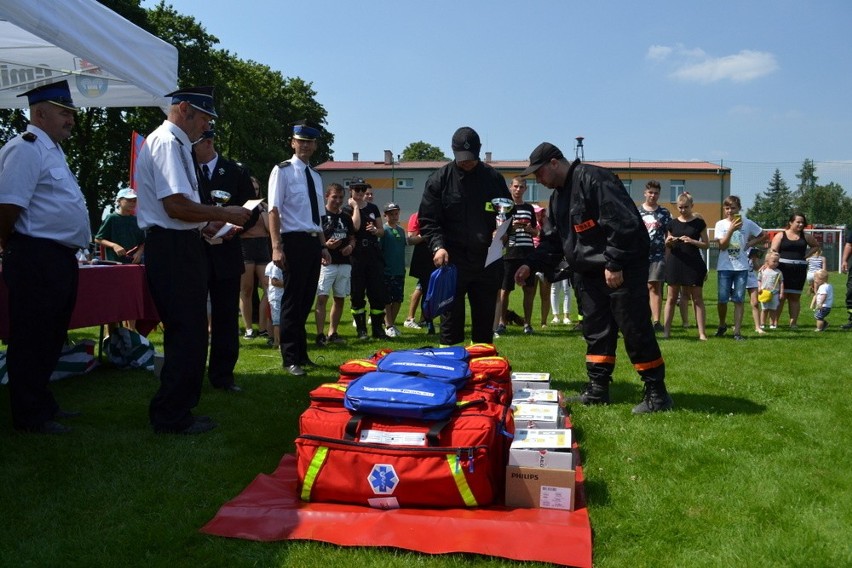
x=270 y=509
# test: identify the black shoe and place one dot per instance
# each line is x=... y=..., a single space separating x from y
x=362 y=335
x=658 y=327
x=232 y=388
x=198 y=427
x=263 y=333
x=720 y=331
x=335 y=339
x=49 y=427
x=739 y=337
x=321 y=340
x=846 y=325
x=63 y=414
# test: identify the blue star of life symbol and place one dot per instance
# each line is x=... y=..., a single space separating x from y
x=383 y=479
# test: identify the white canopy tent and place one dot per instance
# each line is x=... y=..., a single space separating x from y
x=107 y=60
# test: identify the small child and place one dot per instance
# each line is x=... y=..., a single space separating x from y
x=770 y=278
x=823 y=299
x=274 y=293
x=815 y=262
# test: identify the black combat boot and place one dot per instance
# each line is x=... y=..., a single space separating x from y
x=361 y=325
x=377 y=323
x=595 y=393
x=656 y=399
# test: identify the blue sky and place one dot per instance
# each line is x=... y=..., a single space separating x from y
x=764 y=82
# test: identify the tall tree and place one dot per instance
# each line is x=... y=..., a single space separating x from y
x=772 y=207
x=807 y=177
x=422 y=152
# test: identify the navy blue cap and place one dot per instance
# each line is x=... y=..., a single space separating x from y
x=466 y=144
x=56 y=93
x=306 y=130
x=198 y=97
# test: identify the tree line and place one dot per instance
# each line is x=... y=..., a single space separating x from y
x=821 y=204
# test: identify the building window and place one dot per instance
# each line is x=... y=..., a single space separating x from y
x=677 y=186
x=628 y=183
x=405 y=183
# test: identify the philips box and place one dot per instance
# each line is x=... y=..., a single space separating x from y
x=530 y=381
x=547 y=449
x=546 y=416
x=534 y=488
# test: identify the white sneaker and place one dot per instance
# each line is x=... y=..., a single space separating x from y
x=566 y=320
x=555 y=319
x=411 y=324
x=392 y=331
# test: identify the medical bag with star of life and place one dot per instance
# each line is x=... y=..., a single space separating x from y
x=391 y=462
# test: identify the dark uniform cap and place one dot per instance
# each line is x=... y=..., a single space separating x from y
x=358 y=183
x=57 y=93
x=306 y=130
x=542 y=154
x=391 y=207
x=198 y=97
x=466 y=144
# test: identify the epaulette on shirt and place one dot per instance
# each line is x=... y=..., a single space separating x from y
x=29 y=137
x=284 y=164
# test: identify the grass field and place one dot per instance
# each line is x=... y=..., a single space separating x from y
x=750 y=469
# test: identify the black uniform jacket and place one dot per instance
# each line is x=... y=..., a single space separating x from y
x=226 y=258
x=456 y=211
x=596 y=225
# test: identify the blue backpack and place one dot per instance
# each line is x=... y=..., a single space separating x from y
x=400 y=396
x=441 y=293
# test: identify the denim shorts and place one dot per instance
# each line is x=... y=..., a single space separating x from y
x=732 y=280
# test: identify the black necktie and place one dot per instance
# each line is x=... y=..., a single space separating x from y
x=312 y=194
x=206 y=171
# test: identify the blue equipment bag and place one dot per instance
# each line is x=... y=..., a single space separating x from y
x=441 y=293
x=433 y=366
x=400 y=396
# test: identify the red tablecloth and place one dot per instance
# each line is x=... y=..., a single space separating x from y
x=106 y=293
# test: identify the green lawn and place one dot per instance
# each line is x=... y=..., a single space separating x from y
x=750 y=469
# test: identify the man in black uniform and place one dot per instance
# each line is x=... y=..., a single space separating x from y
x=43 y=222
x=368 y=264
x=598 y=229
x=224 y=259
x=458 y=220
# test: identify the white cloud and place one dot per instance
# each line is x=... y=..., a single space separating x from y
x=658 y=52
x=694 y=65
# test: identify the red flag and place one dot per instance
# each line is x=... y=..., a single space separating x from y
x=136 y=142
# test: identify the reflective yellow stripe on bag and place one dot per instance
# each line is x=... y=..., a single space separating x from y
x=313 y=470
x=461 y=483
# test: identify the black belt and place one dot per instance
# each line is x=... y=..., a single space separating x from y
x=313 y=234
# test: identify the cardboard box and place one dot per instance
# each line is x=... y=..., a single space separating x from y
x=547 y=449
x=543 y=416
x=536 y=488
x=551 y=396
x=530 y=381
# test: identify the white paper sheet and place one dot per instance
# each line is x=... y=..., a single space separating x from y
x=495 y=251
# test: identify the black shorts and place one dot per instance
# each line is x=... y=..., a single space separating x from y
x=510 y=266
x=256 y=250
